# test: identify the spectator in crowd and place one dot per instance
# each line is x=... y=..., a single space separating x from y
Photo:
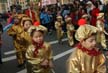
x=70 y=31
x=58 y=27
x=101 y=34
x=94 y=11
x=45 y=18
x=1 y=31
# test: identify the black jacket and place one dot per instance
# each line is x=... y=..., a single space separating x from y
x=1 y=28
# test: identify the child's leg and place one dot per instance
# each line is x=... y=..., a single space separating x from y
x=28 y=67
x=70 y=38
x=20 y=58
x=60 y=36
x=103 y=41
x=48 y=70
x=23 y=55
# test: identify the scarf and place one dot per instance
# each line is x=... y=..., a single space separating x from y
x=37 y=47
x=92 y=52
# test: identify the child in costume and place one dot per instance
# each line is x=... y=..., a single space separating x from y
x=86 y=58
x=39 y=53
x=58 y=27
x=70 y=31
x=1 y=31
x=86 y=17
x=84 y=20
x=101 y=34
x=19 y=37
x=26 y=23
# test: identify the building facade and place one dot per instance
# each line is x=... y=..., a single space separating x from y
x=5 y=4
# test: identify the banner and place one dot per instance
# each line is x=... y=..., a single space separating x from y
x=48 y=2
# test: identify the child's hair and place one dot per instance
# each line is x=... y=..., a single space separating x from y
x=34 y=30
x=93 y=34
x=27 y=20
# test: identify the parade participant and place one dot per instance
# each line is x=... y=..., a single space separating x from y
x=36 y=23
x=26 y=23
x=30 y=12
x=86 y=57
x=83 y=20
x=101 y=34
x=39 y=54
x=70 y=31
x=86 y=17
x=93 y=15
x=23 y=17
x=58 y=27
x=1 y=31
x=18 y=35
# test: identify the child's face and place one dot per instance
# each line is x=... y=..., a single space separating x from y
x=16 y=20
x=27 y=25
x=90 y=43
x=59 y=19
x=38 y=37
x=86 y=18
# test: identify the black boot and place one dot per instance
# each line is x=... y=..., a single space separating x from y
x=1 y=62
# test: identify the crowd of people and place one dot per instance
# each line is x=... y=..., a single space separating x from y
x=85 y=23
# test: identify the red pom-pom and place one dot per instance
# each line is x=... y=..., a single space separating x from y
x=37 y=23
x=97 y=14
x=82 y=22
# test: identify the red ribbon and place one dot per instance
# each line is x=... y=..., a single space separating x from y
x=37 y=47
x=92 y=52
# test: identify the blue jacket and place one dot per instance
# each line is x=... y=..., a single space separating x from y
x=45 y=18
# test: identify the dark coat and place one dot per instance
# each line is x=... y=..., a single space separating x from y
x=1 y=28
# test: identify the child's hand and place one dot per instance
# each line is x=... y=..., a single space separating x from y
x=44 y=64
x=51 y=64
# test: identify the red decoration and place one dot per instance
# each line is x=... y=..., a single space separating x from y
x=37 y=23
x=94 y=14
x=97 y=14
x=82 y=22
x=92 y=52
x=38 y=46
x=27 y=12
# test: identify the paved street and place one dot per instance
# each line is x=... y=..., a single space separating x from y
x=60 y=53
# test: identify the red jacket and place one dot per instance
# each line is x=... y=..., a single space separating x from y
x=74 y=18
x=94 y=13
x=27 y=12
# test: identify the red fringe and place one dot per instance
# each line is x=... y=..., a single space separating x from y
x=38 y=46
x=92 y=52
